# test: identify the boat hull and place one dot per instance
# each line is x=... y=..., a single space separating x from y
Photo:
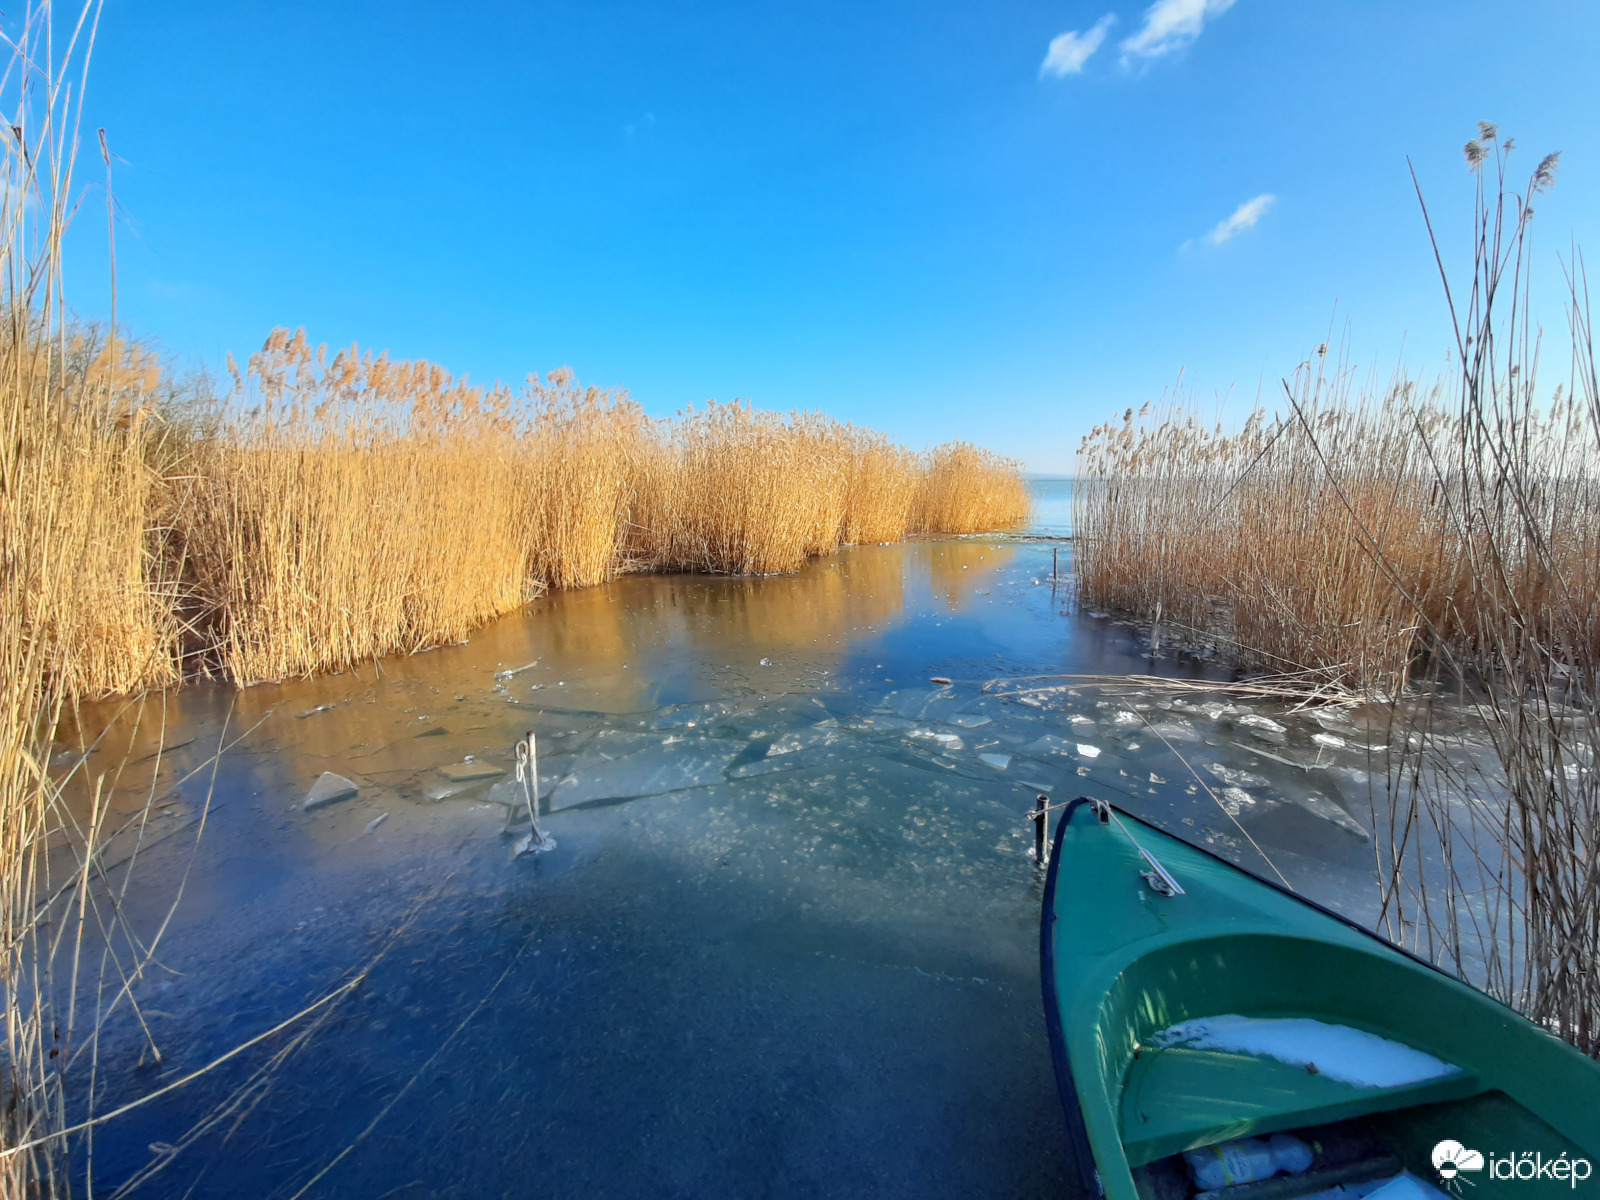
x=1123 y=965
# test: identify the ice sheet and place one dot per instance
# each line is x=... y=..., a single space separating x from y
x=1340 y=1052
x=648 y=772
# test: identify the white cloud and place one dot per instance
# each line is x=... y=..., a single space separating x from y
x=1069 y=51
x=1244 y=217
x=1171 y=25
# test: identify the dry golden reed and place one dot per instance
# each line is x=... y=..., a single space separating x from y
x=1439 y=552
x=341 y=507
x=1328 y=539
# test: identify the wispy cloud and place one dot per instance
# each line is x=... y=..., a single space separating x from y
x=1069 y=51
x=1170 y=25
x=1244 y=217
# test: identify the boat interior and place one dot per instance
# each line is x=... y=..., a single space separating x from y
x=1346 y=1080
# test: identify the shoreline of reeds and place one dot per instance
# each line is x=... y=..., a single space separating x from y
x=1435 y=551
x=337 y=508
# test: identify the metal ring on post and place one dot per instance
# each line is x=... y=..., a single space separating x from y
x=528 y=776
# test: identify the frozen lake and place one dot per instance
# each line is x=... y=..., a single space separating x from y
x=787 y=942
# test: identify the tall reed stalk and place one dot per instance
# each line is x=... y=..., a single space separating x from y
x=85 y=606
x=1437 y=550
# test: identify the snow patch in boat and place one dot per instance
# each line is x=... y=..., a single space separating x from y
x=1349 y=1055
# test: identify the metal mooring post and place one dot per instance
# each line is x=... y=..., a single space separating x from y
x=1041 y=830
x=528 y=777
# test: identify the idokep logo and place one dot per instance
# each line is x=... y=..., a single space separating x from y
x=1451 y=1159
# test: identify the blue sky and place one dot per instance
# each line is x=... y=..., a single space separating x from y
x=1000 y=221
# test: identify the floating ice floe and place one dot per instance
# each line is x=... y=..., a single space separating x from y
x=1321 y=806
x=1048 y=744
x=329 y=789
x=945 y=741
x=1235 y=800
x=1257 y=721
x=805 y=739
x=967 y=720
x=1088 y=751
x=647 y=772
x=1331 y=740
x=1237 y=777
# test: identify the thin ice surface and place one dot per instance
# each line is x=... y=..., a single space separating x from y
x=787 y=937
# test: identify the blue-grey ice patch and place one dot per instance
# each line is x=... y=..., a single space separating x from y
x=998 y=761
x=967 y=720
x=647 y=772
x=879 y=724
x=799 y=760
x=1288 y=760
x=948 y=742
x=913 y=702
x=1049 y=743
x=1329 y=811
x=824 y=733
x=693 y=716
x=1340 y=1052
x=1175 y=729
x=1236 y=777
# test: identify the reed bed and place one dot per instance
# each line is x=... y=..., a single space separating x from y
x=1437 y=551
x=338 y=508
x=965 y=489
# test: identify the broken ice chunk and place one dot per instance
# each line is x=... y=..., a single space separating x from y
x=1257 y=721
x=945 y=741
x=803 y=740
x=968 y=720
x=329 y=789
x=647 y=772
x=1237 y=777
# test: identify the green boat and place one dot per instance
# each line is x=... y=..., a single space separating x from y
x=1194 y=1010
